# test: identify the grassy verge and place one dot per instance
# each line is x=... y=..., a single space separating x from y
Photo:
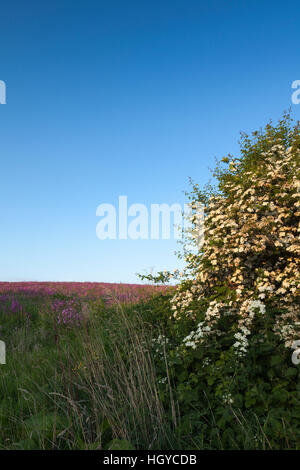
x=102 y=382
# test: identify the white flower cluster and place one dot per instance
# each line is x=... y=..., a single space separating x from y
x=213 y=312
x=160 y=342
x=287 y=328
x=241 y=344
x=245 y=324
x=194 y=337
x=206 y=362
x=205 y=328
x=263 y=290
x=254 y=305
x=227 y=399
x=163 y=380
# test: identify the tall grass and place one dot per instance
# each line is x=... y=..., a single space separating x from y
x=96 y=386
x=120 y=380
x=82 y=388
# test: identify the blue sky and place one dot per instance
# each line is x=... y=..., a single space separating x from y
x=125 y=98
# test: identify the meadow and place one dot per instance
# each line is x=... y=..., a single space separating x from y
x=99 y=366
x=78 y=374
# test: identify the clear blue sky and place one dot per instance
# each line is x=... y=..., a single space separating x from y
x=109 y=98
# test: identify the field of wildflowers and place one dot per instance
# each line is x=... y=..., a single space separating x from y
x=109 y=292
x=76 y=364
x=83 y=372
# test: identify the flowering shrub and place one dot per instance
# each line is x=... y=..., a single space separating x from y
x=250 y=258
x=234 y=320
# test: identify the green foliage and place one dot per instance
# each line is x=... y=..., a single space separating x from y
x=49 y=393
x=233 y=403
